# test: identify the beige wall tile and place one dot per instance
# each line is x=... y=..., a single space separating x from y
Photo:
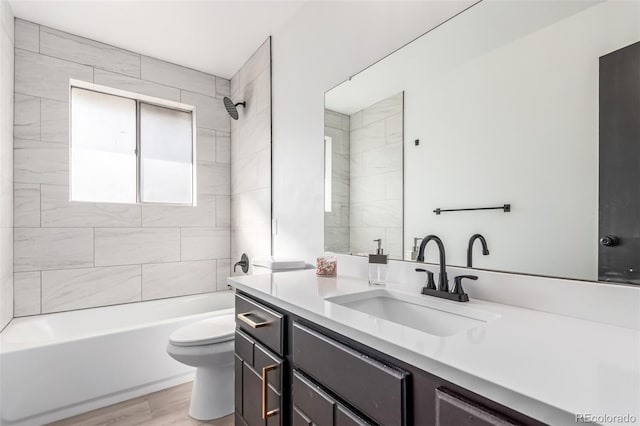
x=27 y=35
x=36 y=249
x=177 y=279
x=26 y=122
x=204 y=214
x=205 y=243
x=88 y=52
x=26 y=207
x=210 y=112
x=40 y=162
x=135 y=85
x=54 y=121
x=176 y=76
x=128 y=246
x=26 y=293
x=58 y=211
x=47 y=77
x=91 y=287
x=224 y=271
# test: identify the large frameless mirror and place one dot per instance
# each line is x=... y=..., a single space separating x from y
x=517 y=121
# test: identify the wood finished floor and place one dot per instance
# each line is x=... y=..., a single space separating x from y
x=166 y=407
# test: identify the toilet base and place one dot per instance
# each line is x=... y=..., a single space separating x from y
x=212 y=395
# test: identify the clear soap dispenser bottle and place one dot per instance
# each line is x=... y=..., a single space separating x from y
x=378 y=266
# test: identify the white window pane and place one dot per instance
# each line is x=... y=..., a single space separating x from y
x=103 y=147
x=165 y=155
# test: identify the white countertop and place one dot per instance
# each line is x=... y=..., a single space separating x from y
x=547 y=366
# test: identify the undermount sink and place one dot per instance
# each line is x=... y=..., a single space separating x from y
x=416 y=311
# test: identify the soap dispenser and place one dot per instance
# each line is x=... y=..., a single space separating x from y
x=378 y=266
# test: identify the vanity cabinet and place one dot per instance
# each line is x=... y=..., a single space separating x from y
x=259 y=371
x=309 y=375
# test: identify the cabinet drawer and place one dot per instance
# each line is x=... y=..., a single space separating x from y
x=260 y=322
x=344 y=417
x=454 y=410
x=300 y=419
x=375 y=389
x=309 y=399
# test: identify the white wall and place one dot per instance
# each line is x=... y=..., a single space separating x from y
x=6 y=163
x=321 y=45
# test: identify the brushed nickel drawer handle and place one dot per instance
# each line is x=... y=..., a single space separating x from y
x=265 y=389
x=251 y=323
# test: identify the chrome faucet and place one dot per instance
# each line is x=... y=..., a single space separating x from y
x=443 y=282
x=485 y=250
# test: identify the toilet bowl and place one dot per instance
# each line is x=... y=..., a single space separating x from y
x=208 y=346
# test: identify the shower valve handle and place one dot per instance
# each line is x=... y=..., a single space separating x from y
x=243 y=263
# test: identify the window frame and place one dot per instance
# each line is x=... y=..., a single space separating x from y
x=139 y=99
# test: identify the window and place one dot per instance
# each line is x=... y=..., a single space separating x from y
x=129 y=148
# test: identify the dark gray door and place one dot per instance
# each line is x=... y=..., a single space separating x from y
x=619 y=214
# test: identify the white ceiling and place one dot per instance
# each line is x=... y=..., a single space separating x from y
x=208 y=35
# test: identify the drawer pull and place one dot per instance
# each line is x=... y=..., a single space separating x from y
x=265 y=389
x=251 y=323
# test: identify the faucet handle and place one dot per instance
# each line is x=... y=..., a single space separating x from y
x=457 y=286
x=430 y=284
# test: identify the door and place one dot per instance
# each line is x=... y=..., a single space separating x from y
x=619 y=209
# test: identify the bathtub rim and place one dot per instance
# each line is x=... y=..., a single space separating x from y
x=13 y=347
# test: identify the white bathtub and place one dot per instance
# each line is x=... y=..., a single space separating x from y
x=58 y=365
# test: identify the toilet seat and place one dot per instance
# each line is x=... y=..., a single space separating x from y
x=206 y=332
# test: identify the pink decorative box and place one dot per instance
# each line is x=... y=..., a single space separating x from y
x=327 y=265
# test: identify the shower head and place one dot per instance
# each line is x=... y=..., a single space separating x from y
x=232 y=108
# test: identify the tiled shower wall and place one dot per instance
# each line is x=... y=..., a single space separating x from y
x=336 y=222
x=376 y=188
x=79 y=255
x=6 y=163
x=251 y=158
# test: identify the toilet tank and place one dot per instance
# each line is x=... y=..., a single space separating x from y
x=271 y=264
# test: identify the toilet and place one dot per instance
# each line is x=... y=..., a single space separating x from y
x=208 y=346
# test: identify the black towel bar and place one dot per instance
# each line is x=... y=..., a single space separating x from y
x=506 y=208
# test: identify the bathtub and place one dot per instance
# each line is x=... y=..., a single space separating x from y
x=58 y=365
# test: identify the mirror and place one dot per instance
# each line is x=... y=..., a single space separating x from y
x=363 y=178
x=520 y=123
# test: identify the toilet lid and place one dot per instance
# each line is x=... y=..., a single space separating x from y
x=206 y=332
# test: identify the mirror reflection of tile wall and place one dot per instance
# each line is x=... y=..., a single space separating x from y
x=366 y=178
x=336 y=215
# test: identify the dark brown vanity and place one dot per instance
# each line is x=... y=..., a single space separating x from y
x=289 y=371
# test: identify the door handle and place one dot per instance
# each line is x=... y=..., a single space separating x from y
x=265 y=392
x=244 y=317
x=609 y=241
